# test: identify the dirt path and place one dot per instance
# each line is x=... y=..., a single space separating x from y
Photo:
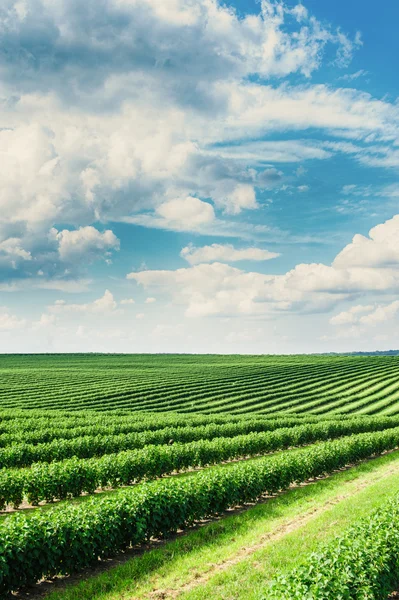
x=282 y=530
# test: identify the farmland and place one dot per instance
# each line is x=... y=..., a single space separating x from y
x=100 y=454
x=209 y=384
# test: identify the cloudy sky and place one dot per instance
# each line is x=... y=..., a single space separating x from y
x=198 y=176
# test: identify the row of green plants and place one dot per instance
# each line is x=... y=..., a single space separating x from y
x=46 y=433
x=286 y=395
x=74 y=476
x=88 y=388
x=35 y=383
x=198 y=389
x=25 y=454
x=360 y=564
x=12 y=422
x=70 y=537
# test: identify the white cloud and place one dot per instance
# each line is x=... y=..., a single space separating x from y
x=134 y=138
x=182 y=213
x=71 y=286
x=150 y=300
x=45 y=321
x=105 y=117
x=217 y=289
x=140 y=316
x=84 y=243
x=353 y=76
x=127 y=301
x=235 y=197
x=375 y=314
x=105 y=304
x=10 y=322
x=256 y=110
x=350 y=316
x=273 y=151
x=13 y=249
x=224 y=253
x=379 y=249
x=381 y=313
x=209 y=34
x=214 y=227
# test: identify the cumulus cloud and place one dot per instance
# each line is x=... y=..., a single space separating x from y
x=224 y=253
x=84 y=243
x=206 y=289
x=375 y=314
x=12 y=248
x=105 y=304
x=350 y=316
x=236 y=197
x=61 y=40
x=189 y=212
x=380 y=314
x=379 y=249
x=216 y=288
x=9 y=322
x=104 y=117
x=55 y=259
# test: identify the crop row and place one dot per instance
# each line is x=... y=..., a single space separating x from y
x=12 y=421
x=362 y=563
x=167 y=428
x=74 y=476
x=67 y=538
x=187 y=386
x=241 y=402
x=261 y=390
x=90 y=381
x=22 y=454
x=325 y=400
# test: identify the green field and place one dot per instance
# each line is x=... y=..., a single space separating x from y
x=202 y=383
x=289 y=465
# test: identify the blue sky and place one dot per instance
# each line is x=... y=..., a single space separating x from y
x=198 y=176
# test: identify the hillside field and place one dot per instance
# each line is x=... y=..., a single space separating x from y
x=185 y=476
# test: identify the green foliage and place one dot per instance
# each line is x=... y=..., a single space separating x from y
x=67 y=427
x=67 y=538
x=362 y=564
x=193 y=384
x=20 y=454
x=72 y=477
